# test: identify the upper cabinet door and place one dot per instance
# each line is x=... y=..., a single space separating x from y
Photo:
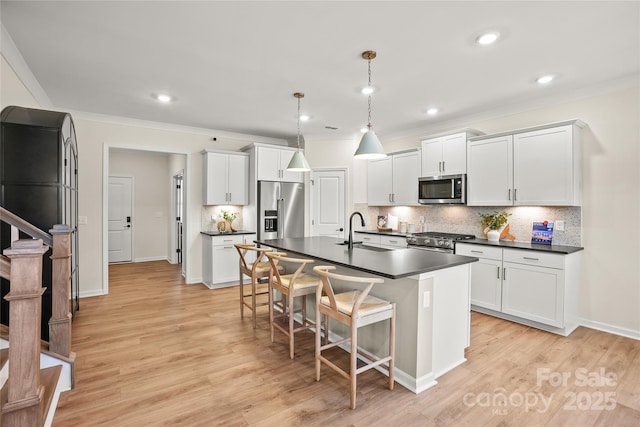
x=380 y=185
x=215 y=179
x=268 y=164
x=238 y=179
x=454 y=154
x=432 y=157
x=544 y=168
x=272 y=165
x=287 y=176
x=406 y=171
x=490 y=172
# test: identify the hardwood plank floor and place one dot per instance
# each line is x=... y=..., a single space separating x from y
x=158 y=352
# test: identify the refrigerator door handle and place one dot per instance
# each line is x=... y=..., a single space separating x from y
x=280 y=218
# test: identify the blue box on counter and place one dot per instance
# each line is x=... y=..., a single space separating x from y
x=542 y=233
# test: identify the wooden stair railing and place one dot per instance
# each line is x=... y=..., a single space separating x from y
x=25 y=396
x=60 y=241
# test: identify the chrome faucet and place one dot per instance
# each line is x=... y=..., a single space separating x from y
x=350 y=241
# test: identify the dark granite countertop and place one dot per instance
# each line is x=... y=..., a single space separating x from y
x=558 y=249
x=217 y=233
x=392 y=264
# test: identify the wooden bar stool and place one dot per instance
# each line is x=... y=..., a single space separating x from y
x=290 y=286
x=354 y=309
x=255 y=270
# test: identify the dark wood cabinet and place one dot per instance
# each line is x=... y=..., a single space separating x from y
x=39 y=183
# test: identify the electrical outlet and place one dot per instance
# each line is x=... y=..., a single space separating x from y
x=559 y=225
x=82 y=220
x=426 y=299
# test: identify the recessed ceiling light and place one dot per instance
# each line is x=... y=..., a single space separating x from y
x=368 y=90
x=164 y=98
x=487 y=38
x=432 y=111
x=304 y=118
x=543 y=80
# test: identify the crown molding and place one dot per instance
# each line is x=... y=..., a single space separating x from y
x=15 y=60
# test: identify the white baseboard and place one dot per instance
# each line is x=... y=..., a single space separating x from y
x=612 y=329
x=94 y=293
x=147 y=259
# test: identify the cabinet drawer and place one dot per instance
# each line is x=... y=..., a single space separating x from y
x=367 y=238
x=398 y=241
x=227 y=240
x=541 y=259
x=479 y=251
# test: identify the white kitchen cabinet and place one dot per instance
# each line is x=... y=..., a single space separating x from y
x=531 y=167
x=535 y=288
x=486 y=275
x=393 y=181
x=444 y=155
x=225 y=179
x=272 y=164
x=547 y=167
x=380 y=240
x=220 y=259
x=387 y=241
x=490 y=172
x=380 y=182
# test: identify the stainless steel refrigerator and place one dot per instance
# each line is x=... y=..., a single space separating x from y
x=280 y=209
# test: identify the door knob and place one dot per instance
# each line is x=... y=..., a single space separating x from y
x=340 y=229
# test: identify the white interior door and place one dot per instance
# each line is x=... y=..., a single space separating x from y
x=328 y=203
x=120 y=218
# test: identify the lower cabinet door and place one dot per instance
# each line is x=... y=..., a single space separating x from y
x=486 y=284
x=225 y=264
x=534 y=293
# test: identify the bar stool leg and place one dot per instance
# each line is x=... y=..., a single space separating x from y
x=318 y=322
x=392 y=345
x=271 y=310
x=291 y=324
x=253 y=302
x=241 y=286
x=354 y=364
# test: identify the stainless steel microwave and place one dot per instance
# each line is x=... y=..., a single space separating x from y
x=445 y=189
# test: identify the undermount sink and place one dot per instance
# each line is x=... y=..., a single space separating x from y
x=370 y=248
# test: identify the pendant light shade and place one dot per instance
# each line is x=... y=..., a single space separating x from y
x=370 y=146
x=298 y=163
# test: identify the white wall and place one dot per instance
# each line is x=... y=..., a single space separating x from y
x=610 y=291
x=152 y=200
x=96 y=135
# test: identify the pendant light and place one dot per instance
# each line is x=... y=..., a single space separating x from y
x=298 y=163
x=370 y=147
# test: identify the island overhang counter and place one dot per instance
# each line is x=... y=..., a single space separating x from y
x=431 y=292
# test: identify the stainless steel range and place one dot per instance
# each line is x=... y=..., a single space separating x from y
x=436 y=241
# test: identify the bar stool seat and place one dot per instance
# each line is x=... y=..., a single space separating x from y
x=290 y=286
x=353 y=309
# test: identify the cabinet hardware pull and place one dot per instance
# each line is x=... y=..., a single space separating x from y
x=504 y=273
x=393 y=241
x=532 y=259
x=498 y=272
x=228 y=247
x=509 y=194
x=443 y=168
x=477 y=252
x=515 y=194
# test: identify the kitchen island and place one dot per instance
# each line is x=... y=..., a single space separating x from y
x=431 y=292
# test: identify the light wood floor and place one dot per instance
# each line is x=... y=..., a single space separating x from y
x=158 y=352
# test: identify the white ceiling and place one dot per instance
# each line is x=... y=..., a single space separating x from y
x=234 y=66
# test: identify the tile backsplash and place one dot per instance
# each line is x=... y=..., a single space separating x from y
x=466 y=219
x=210 y=215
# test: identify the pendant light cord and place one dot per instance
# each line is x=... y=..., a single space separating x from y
x=369 y=116
x=298 y=123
